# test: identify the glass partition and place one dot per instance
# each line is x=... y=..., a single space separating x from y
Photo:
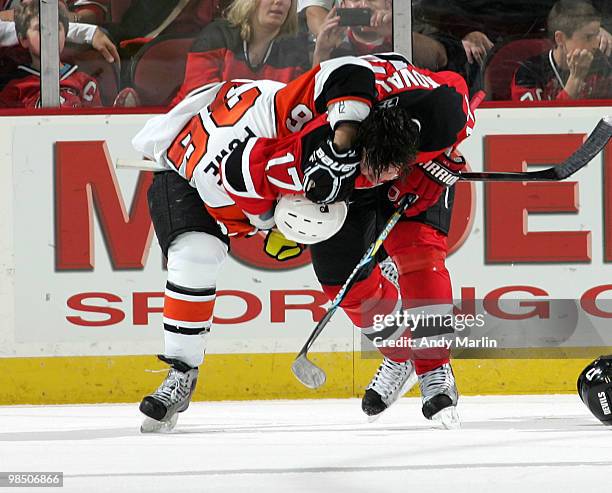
x=145 y=53
x=525 y=50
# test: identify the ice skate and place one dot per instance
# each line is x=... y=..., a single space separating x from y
x=161 y=408
x=392 y=380
x=439 y=395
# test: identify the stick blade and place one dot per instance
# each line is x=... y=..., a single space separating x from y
x=596 y=141
x=309 y=374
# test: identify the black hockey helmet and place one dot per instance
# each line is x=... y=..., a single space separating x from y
x=595 y=388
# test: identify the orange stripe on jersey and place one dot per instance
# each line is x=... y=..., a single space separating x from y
x=350 y=98
x=188 y=311
x=233 y=219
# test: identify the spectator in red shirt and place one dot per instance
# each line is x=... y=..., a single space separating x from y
x=256 y=40
x=575 y=68
x=77 y=89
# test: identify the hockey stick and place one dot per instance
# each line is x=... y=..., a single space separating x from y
x=305 y=370
x=594 y=144
x=139 y=165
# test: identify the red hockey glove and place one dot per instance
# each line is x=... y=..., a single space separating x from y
x=428 y=180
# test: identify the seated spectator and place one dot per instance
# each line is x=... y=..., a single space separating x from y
x=335 y=40
x=77 y=33
x=480 y=24
x=575 y=68
x=77 y=89
x=434 y=51
x=256 y=40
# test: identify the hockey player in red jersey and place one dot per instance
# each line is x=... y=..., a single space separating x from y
x=437 y=105
x=433 y=112
x=77 y=89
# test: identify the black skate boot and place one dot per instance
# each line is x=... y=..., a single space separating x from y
x=439 y=395
x=392 y=380
x=172 y=397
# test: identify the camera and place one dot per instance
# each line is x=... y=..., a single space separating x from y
x=354 y=17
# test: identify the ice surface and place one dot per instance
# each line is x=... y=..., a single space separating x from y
x=517 y=444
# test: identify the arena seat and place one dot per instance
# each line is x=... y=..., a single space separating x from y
x=92 y=63
x=503 y=62
x=158 y=69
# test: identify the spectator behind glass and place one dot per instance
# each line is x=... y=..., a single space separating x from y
x=256 y=40
x=429 y=51
x=481 y=24
x=79 y=33
x=335 y=40
x=575 y=68
x=77 y=89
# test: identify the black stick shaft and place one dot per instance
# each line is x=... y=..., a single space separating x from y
x=594 y=144
x=404 y=203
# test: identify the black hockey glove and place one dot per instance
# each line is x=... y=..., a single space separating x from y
x=329 y=175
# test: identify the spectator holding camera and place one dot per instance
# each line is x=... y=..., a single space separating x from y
x=357 y=27
x=77 y=89
x=256 y=40
x=360 y=27
x=575 y=68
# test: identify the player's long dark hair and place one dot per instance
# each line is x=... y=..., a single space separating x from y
x=388 y=138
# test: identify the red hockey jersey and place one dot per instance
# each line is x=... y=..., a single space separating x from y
x=540 y=79
x=77 y=89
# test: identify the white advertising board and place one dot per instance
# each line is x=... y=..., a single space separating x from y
x=81 y=273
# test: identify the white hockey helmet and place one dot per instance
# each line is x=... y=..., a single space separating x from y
x=304 y=221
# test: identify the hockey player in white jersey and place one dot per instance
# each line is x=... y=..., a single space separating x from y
x=192 y=141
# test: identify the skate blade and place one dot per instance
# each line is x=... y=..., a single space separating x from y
x=150 y=425
x=447 y=418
